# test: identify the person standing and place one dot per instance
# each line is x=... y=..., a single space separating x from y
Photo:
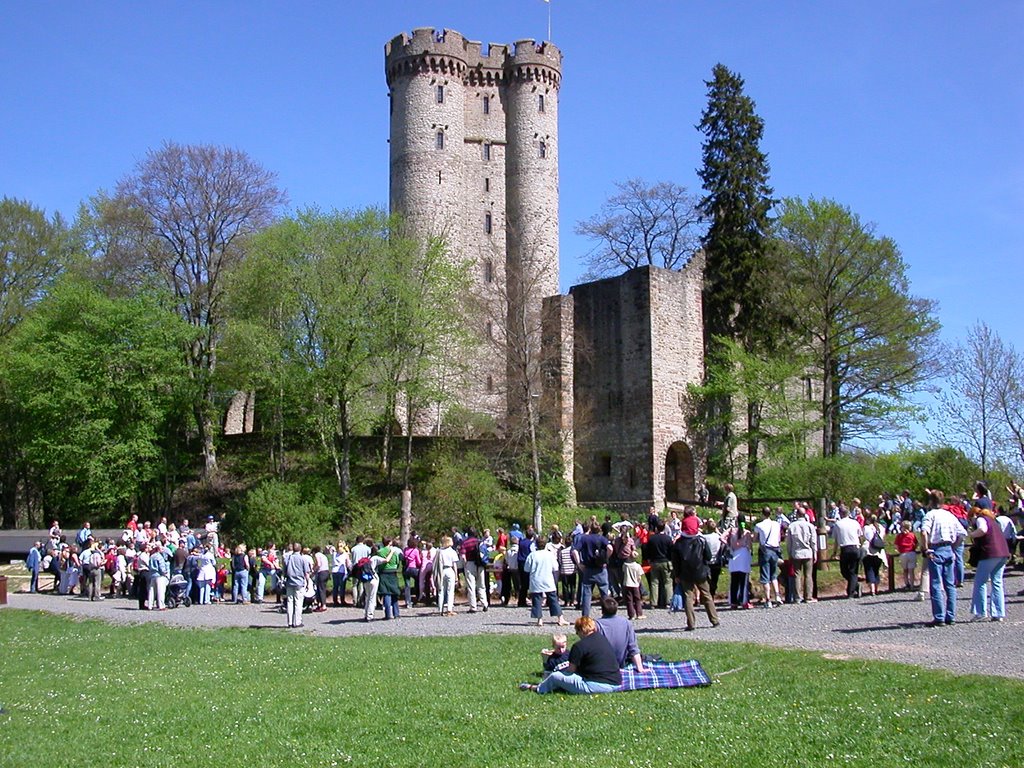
x=874 y=553
x=360 y=552
x=657 y=553
x=445 y=573
x=159 y=576
x=239 y=575
x=526 y=545
x=33 y=562
x=296 y=581
x=801 y=538
x=474 y=569
x=994 y=554
x=691 y=567
x=941 y=532
x=541 y=565
x=847 y=535
x=769 y=541
x=741 y=544
x=390 y=564
x=730 y=508
x=593 y=550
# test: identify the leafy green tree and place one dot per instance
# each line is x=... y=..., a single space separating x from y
x=738 y=273
x=98 y=383
x=776 y=386
x=34 y=250
x=873 y=343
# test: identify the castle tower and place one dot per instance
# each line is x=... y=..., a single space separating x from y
x=474 y=158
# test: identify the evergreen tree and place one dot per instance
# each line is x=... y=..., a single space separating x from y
x=737 y=276
x=737 y=204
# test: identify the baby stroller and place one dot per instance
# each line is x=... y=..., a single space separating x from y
x=177 y=592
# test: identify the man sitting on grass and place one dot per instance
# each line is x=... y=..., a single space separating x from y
x=620 y=634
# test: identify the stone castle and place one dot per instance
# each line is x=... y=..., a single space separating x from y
x=474 y=159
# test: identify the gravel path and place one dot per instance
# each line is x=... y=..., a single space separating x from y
x=890 y=626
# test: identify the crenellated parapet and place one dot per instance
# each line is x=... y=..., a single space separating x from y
x=536 y=62
x=425 y=50
x=447 y=52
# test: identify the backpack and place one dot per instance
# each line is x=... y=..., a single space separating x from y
x=364 y=569
x=692 y=565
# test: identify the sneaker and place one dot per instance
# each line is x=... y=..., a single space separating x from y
x=997 y=618
x=526 y=687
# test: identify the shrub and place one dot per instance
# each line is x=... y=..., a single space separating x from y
x=276 y=511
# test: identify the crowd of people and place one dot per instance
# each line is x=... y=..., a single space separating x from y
x=672 y=560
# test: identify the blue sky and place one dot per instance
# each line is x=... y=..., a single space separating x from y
x=910 y=113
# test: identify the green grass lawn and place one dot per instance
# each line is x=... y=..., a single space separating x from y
x=153 y=696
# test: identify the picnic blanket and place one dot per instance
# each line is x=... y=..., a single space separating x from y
x=665 y=674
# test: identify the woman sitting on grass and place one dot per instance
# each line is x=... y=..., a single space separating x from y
x=592 y=667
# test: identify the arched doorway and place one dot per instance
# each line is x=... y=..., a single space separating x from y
x=679 y=479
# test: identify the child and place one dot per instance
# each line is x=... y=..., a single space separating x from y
x=556 y=658
x=906 y=546
x=632 y=578
x=788 y=571
x=220 y=583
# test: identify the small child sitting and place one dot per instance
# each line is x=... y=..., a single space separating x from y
x=556 y=658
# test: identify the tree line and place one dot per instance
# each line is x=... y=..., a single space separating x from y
x=123 y=334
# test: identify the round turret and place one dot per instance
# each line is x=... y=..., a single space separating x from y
x=532 y=77
x=425 y=75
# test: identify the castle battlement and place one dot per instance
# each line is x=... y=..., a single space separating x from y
x=446 y=51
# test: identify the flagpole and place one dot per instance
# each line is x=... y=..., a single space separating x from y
x=549 y=20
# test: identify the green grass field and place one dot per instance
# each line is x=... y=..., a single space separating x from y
x=154 y=696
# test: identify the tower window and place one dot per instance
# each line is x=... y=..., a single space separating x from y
x=490 y=383
x=440 y=94
x=487 y=223
x=440 y=139
x=488 y=271
x=543 y=149
x=487 y=151
x=490 y=330
x=603 y=466
x=487 y=184
x=487 y=105
x=540 y=102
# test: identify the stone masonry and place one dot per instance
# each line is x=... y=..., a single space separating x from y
x=474 y=159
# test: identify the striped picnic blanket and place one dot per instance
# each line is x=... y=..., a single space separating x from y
x=665 y=674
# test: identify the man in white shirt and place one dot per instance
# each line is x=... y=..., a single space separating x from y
x=847 y=534
x=769 y=538
x=942 y=532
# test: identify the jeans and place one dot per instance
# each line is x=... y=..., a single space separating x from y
x=338 y=587
x=941 y=570
x=559 y=681
x=390 y=606
x=989 y=569
x=204 y=592
x=34 y=583
x=739 y=588
x=261 y=585
x=240 y=586
x=959 y=566
x=370 y=597
x=412 y=586
x=591 y=577
x=537 y=604
x=768 y=561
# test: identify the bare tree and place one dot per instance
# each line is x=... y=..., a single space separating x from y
x=969 y=413
x=641 y=225
x=199 y=203
x=1010 y=400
